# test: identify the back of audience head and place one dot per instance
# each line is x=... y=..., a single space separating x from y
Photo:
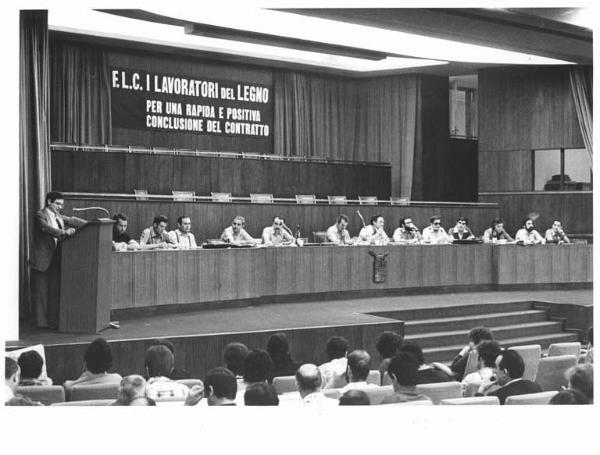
x=478 y=334
x=569 y=396
x=509 y=365
x=260 y=394
x=30 y=363
x=258 y=366
x=308 y=379
x=388 y=343
x=131 y=388
x=278 y=348
x=581 y=377
x=98 y=356
x=355 y=398
x=11 y=373
x=359 y=362
x=337 y=347
x=403 y=369
x=163 y=342
x=159 y=361
x=219 y=385
x=488 y=351
x=414 y=349
x=234 y=355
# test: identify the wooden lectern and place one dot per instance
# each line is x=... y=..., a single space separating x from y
x=85 y=278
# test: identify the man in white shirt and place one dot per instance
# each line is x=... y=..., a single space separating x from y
x=435 y=233
x=338 y=233
x=374 y=234
x=357 y=371
x=159 y=364
x=487 y=352
x=528 y=235
x=182 y=236
x=333 y=373
x=276 y=235
x=407 y=232
x=556 y=234
x=236 y=234
x=308 y=380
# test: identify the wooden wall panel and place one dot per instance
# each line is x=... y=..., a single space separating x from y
x=505 y=171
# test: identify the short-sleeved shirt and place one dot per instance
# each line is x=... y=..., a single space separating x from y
x=150 y=237
x=431 y=236
x=229 y=236
x=334 y=235
x=553 y=236
x=404 y=235
x=370 y=234
x=529 y=237
x=275 y=237
x=185 y=240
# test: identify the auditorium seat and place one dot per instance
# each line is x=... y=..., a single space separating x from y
x=441 y=390
x=190 y=382
x=395 y=200
x=284 y=384
x=551 y=371
x=531 y=356
x=564 y=349
x=141 y=195
x=337 y=200
x=256 y=198
x=319 y=236
x=46 y=394
x=531 y=398
x=184 y=196
x=367 y=200
x=377 y=394
x=94 y=392
x=412 y=403
x=220 y=197
x=85 y=403
x=471 y=365
x=306 y=199
x=469 y=401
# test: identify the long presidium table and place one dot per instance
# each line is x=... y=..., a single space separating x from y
x=95 y=280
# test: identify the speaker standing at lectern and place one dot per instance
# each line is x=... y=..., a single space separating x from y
x=50 y=227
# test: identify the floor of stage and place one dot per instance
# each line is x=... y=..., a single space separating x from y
x=291 y=315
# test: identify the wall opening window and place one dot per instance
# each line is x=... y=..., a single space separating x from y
x=561 y=170
x=463 y=106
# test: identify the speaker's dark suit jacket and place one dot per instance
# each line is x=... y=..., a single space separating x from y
x=520 y=387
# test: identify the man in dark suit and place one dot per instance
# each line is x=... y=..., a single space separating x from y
x=49 y=228
x=509 y=375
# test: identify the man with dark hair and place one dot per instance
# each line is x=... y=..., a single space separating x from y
x=355 y=398
x=359 y=362
x=407 y=232
x=278 y=347
x=220 y=387
x=276 y=235
x=236 y=234
x=527 y=235
x=435 y=234
x=387 y=345
x=427 y=374
x=97 y=360
x=333 y=372
x=121 y=240
x=260 y=394
x=234 y=355
x=509 y=375
x=403 y=371
x=182 y=236
x=461 y=230
x=487 y=352
x=258 y=366
x=569 y=396
x=556 y=234
x=50 y=227
x=338 y=232
x=308 y=380
x=374 y=233
x=459 y=362
x=581 y=378
x=11 y=382
x=176 y=373
x=159 y=363
x=156 y=235
x=31 y=364
x=495 y=233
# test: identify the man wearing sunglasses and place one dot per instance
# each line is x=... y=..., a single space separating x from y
x=236 y=234
x=276 y=235
x=435 y=234
x=461 y=231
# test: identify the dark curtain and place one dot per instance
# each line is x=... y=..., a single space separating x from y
x=370 y=120
x=80 y=94
x=34 y=128
x=582 y=89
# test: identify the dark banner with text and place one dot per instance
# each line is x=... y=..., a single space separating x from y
x=159 y=102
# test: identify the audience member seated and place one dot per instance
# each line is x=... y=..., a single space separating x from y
x=355 y=398
x=159 y=364
x=31 y=364
x=527 y=235
x=121 y=241
x=183 y=237
x=461 y=230
x=234 y=355
x=556 y=234
x=176 y=373
x=403 y=370
x=278 y=348
x=236 y=234
x=427 y=374
x=359 y=363
x=459 y=362
x=435 y=234
x=156 y=236
x=276 y=235
x=581 y=377
x=387 y=345
x=258 y=367
x=338 y=232
x=333 y=373
x=509 y=376
x=220 y=387
x=496 y=233
x=569 y=396
x=374 y=233
x=407 y=232
x=131 y=388
x=11 y=382
x=487 y=353
x=309 y=381
x=97 y=360
x=260 y=394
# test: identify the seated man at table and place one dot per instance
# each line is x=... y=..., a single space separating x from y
x=461 y=230
x=374 y=234
x=556 y=234
x=338 y=233
x=276 y=235
x=496 y=232
x=156 y=236
x=236 y=234
x=528 y=235
x=121 y=240
x=182 y=236
x=407 y=232
x=435 y=233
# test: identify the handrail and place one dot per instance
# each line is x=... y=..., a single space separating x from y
x=207 y=153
